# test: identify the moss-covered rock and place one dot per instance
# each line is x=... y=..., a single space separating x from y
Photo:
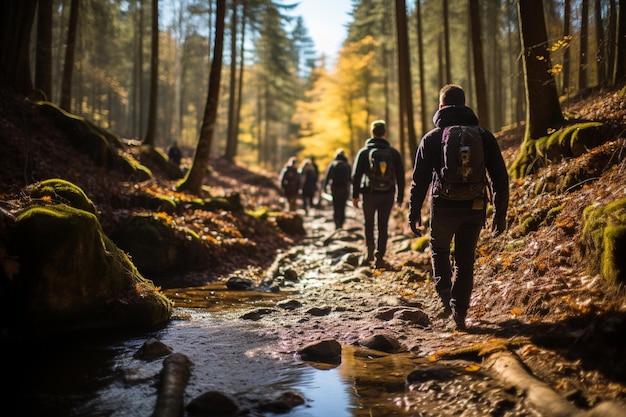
x=570 y=141
x=158 y=249
x=602 y=240
x=61 y=191
x=73 y=277
x=99 y=144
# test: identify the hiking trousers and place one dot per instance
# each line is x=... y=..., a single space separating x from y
x=377 y=208
x=464 y=225
x=340 y=198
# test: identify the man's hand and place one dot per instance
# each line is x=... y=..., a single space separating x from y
x=498 y=225
x=355 y=202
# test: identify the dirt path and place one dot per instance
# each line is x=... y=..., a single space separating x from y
x=515 y=367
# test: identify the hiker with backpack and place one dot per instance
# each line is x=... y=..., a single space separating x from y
x=290 y=183
x=308 y=181
x=338 y=177
x=378 y=176
x=462 y=164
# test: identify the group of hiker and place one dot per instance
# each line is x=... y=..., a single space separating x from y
x=458 y=164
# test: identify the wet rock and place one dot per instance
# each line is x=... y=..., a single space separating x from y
x=213 y=403
x=290 y=275
x=152 y=349
x=381 y=342
x=414 y=316
x=319 y=311
x=257 y=314
x=327 y=351
x=289 y=304
x=410 y=314
x=283 y=403
x=239 y=284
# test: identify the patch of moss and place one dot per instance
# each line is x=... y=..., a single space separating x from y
x=572 y=140
x=62 y=191
x=603 y=240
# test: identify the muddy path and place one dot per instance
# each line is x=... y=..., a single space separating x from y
x=504 y=365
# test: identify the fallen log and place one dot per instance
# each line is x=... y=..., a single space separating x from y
x=174 y=377
x=539 y=395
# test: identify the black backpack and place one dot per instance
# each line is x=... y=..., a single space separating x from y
x=291 y=179
x=462 y=172
x=381 y=173
x=341 y=174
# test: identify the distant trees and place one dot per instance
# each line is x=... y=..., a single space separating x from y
x=278 y=98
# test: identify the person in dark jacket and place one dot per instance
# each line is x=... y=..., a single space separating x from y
x=376 y=204
x=308 y=182
x=290 y=183
x=461 y=220
x=338 y=177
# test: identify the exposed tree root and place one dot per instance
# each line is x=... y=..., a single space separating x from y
x=539 y=395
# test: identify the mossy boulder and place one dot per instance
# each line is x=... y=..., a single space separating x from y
x=158 y=249
x=102 y=147
x=69 y=276
x=603 y=240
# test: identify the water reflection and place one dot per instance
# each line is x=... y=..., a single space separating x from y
x=236 y=357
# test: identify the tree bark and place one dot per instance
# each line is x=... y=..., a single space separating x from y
x=43 y=59
x=543 y=110
x=479 y=66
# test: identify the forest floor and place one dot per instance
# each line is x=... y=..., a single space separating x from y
x=533 y=296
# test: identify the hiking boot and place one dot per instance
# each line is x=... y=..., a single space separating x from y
x=459 y=321
x=382 y=264
x=368 y=260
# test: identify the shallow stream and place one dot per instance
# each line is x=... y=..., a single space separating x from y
x=236 y=357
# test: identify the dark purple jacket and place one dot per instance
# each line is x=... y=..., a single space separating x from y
x=428 y=164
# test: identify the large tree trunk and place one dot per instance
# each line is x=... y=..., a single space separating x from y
x=195 y=176
x=16 y=21
x=543 y=110
x=479 y=67
x=404 y=76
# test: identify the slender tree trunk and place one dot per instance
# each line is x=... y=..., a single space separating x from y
x=68 y=66
x=620 y=55
x=600 y=43
x=43 y=60
x=584 y=45
x=240 y=81
x=420 y=60
x=446 y=46
x=611 y=42
x=154 y=77
x=195 y=176
x=231 y=135
x=567 y=19
x=543 y=111
x=479 y=67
